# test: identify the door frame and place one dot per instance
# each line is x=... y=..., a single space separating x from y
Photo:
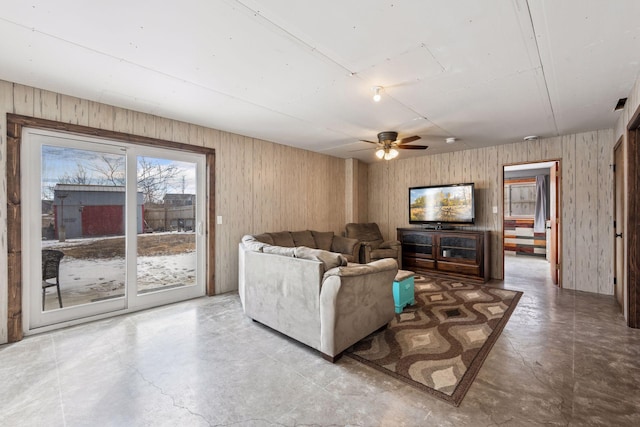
x=15 y=125
x=558 y=211
x=632 y=226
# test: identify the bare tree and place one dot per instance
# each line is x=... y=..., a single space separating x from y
x=155 y=178
x=81 y=176
x=112 y=168
x=46 y=192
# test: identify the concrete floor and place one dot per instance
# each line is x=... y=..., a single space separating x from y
x=564 y=358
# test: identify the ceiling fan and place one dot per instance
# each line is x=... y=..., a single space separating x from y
x=389 y=144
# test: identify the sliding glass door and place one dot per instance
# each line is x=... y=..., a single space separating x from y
x=168 y=252
x=108 y=226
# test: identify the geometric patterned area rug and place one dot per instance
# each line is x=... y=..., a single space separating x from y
x=439 y=344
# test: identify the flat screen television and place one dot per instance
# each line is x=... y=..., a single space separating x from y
x=442 y=204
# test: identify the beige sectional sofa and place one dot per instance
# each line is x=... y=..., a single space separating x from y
x=313 y=295
x=325 y=240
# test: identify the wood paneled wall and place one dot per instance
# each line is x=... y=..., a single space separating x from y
x=260 y=186
x=587 y=198
x=363 y=192
x=356 y=190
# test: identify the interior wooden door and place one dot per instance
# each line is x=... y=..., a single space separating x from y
x=554 y=257
x=618 y=209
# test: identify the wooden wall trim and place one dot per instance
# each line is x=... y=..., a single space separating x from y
x=519 y=181
x=211 y=236
x=25 y=121
x=15 y=124
x=14 y=234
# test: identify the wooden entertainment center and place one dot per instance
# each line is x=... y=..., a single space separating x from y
x=456 y=252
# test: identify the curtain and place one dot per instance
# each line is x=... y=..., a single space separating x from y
x=540 y=217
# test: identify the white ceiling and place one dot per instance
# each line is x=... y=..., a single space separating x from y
x=300 y=72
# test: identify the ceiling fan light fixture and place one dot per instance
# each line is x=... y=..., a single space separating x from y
x=388 y=144
x=376 y=93
x=387 y=153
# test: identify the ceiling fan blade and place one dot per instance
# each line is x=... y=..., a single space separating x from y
x=412 y=147
x=408 y=139
x=370 y=142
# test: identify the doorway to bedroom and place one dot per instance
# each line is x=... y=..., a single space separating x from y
x=531 y=226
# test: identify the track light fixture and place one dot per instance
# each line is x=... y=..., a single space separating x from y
x=376 y=93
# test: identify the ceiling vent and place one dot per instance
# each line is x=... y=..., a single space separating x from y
x=620 y=104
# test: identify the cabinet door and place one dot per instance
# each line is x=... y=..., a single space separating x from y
x=418 y=245
x=458 y=248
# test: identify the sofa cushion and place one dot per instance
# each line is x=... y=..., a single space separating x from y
x=264 y=238
x=363 y=269
x=368 y=232
x=329 y=259
x=303 y=238
x=384 y=253
x=390 y=244
x=375 y=244
x=349 y=257
x=282 y=238
x=280 y=250
x=344 y=245
x=253 y=244
x=323 y=239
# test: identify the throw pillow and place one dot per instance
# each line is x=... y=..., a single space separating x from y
x=253 y=244
x=328 y=259
x=303 y=238
x=265 y=238
x=323 y=239
x=279 y=250
x=282 y=238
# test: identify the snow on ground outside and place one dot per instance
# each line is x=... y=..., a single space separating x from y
x=86 y=280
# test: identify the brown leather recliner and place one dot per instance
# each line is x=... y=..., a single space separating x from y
x=373 y=246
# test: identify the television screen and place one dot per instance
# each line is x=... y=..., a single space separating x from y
x=444 y=204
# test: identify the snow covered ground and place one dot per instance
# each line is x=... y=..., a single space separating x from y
x=86 y=280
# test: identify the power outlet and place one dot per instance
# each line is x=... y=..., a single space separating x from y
x=219 y=220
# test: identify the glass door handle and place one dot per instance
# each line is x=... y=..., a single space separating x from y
x=200 y=228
